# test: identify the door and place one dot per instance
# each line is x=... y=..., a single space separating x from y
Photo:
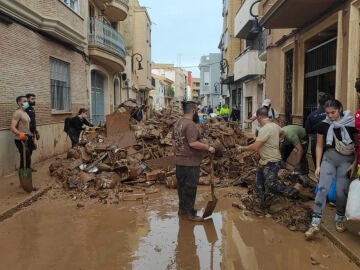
x=289 y=62
x=97 y=98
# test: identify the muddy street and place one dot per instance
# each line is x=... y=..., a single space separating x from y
x=59 y=232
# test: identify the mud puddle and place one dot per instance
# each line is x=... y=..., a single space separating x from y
x=60 y=234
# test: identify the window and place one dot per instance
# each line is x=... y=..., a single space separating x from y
x=73 y=4
x=60 y=85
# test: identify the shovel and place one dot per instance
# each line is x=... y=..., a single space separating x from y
x=209 y=209
x=25 y=175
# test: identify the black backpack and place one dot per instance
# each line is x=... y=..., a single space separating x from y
x=67 y=123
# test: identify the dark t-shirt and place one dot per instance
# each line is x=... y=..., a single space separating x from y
x=185 y=132
x=324 y=127
x=314 y=119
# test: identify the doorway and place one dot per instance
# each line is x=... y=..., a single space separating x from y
x=97 y=98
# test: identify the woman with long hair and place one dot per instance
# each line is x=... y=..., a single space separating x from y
x=337 y=136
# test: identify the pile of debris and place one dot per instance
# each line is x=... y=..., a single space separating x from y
x=127 y=152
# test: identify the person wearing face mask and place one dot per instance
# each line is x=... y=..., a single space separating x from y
x=78 y=124
x=31 y=98
x=337 y=136
x=20 y=126
x=188 y=150
x=267 y=144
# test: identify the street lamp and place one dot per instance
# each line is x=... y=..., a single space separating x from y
x=255 y=29
x=138 y=58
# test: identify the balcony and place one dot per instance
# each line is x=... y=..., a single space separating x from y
x=248 y=65
x=117 y=10
x=244 y=21
x=106 y=45
x=293 y=13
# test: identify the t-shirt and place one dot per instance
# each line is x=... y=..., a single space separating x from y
x=313 y=120
x=23 y=122
x=186 y=132
x=324 y=127
x=269 y=151
x=294 y=134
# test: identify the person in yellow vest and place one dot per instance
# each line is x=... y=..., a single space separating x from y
x=225 y=112
x=218 y=109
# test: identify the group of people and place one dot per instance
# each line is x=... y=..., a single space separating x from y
x=223 y=112
x=333 y=133
x=23 y=125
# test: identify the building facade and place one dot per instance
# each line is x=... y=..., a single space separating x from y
x=175 y=74
x=210 y=87
x=163 y=93
x=195 y=89
x=312 y=46
x=249 y=69
x=230 y=47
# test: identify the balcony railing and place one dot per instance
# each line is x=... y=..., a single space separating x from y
x=122 y=1
x=104 y=36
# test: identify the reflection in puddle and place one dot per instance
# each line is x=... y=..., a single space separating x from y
x=180 y=244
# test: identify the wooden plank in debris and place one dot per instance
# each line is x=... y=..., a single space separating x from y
x=116 y=123
x=162 y=163
x=123 y=139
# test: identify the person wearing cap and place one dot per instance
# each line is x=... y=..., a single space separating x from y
x=20 y=126
x=294 y=136
x=313 y=121
x=272 y=114
x=78 y=124
x=188 y=150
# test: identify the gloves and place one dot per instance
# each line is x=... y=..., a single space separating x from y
x=238 y=148
x=211 y=149
x=22 y=136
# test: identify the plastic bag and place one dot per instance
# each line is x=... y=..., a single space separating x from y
x=353 y=201
x=332 y=191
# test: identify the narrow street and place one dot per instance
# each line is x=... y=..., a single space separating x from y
x=61 y=232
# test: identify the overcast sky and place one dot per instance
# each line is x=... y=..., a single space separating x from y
x=184 y=30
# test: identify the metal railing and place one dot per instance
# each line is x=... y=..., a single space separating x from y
x=104 y=36
x=122 y=1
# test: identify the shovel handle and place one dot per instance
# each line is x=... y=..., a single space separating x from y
x=212 y=169
x=24 y=155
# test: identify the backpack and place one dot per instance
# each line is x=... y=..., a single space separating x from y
x=67 y=123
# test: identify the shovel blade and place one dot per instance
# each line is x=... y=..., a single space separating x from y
x=210 y=207
x=25 y=177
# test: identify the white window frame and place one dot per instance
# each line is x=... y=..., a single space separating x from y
x=73 y=4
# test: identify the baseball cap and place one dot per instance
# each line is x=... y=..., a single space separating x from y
x=266 y=102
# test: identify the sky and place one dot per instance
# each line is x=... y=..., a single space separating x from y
x=184 y=30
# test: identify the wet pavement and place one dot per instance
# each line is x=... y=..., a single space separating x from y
x=59 y=233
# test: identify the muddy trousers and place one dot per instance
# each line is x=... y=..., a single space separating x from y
x=187 y=178
x=333 y=165
x=267 y=182
x=27 y=153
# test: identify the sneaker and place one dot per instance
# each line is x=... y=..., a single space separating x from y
x=340 y=226
x=310 y=233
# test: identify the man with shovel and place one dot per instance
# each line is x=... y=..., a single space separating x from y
x=20 y=126
x=267 y=144
x=188 y=155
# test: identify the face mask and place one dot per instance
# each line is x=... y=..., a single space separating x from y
x=282 y=140
x=25 y=105
x=196 y=118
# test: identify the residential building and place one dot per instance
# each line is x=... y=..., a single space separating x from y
x=249 y=70
x=163 y=93
x=312 y=46
x=175 y=74
x=210 y=87
x=136 y=29
x=195 y=89
x=230 y=48
x=107 y=53
x=43 y=51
